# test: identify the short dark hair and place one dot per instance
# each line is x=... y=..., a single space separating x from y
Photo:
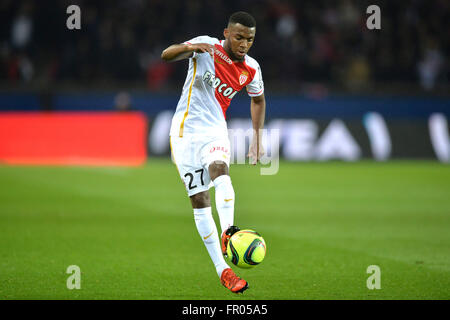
x=243 y=18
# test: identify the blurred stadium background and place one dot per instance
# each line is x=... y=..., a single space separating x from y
x=320 y=63
x=336 y=91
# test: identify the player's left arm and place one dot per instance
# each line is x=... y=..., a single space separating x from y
x=258 y=113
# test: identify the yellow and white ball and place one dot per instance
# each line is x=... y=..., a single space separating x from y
x=246 y=249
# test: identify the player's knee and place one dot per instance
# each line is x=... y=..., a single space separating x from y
x=217 y=168
x=200 y=200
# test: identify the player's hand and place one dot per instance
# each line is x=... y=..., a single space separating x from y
x=202 y=48
x=254 y=149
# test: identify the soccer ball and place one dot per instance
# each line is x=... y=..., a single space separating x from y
x=246 y=249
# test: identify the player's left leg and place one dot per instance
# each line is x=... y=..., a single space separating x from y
x=225 y=196
x=218 y=171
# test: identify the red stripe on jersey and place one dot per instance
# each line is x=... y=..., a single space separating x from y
x=235 y=76
x=255 y=92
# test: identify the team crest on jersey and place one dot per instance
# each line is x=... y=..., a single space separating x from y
x=243 y=77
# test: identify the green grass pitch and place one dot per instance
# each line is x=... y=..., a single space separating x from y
x=131 y=232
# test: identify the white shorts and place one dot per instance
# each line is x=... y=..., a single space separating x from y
x=193 y=154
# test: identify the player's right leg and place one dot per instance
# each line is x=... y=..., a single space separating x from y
x=208 y=231
x=197 y=182
x=215 y=157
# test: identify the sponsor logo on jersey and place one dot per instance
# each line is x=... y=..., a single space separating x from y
x=223 y=56
x=217 y=84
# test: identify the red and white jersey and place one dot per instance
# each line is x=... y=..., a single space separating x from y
x=210 y=85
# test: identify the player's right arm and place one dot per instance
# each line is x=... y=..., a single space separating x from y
x=178 y=52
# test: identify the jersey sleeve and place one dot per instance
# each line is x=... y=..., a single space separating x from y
x=200 y=39
x=256 y=87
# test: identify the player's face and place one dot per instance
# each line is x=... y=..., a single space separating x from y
x=238 y=40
